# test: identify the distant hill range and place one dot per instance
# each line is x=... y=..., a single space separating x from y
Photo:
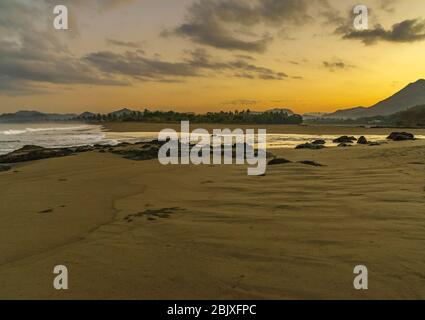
x=34 y=116
x=413 y=117
x=409 y=97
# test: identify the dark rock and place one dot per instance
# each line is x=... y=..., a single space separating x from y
x=30 y=153
x=278 y=161
x=362 y=140
x=311 y=163
x=401 y=136
x=4 y=168
x=157 y=142
x=310 y=146
x=138 y=153
x=83 y=149
x=123 y=144
x=101 y=146
x=345 y=139
x=319 y=142
x=344 y=145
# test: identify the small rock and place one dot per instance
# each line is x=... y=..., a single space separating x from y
x=83 y=149
x=319 y=142
x=310 y=146
x=278 y=161
x=344 y=145
x=401 y=136
x=311 y=163
x=345 y=139
x=362 y=140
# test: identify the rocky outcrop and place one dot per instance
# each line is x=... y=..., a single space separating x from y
x=345 y=139
x=311 y=163
x=401 y=136
x=31 y=153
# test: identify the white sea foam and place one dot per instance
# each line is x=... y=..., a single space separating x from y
x=26 y=130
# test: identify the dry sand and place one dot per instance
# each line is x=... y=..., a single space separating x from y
x=297 y=232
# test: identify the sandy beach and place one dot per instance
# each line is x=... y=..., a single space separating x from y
x=140 y=230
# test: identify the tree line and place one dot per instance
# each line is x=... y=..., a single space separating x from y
x=231 y=117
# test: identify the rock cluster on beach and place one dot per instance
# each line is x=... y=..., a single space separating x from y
x=348 y=141
x=29 y=153
x=138 y=151
x=149 y=150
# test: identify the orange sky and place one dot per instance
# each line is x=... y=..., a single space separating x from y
x=203 y=55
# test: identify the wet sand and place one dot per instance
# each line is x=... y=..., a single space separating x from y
x=140 y=230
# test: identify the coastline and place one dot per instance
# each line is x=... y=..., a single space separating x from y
x=139 y=230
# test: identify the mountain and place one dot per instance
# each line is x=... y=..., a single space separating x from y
x=122 y=112
x=34 y=116
x=86 y=115
x=413 y=117
x=410 y=96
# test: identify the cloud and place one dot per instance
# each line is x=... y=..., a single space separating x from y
x=337 y=64
x=137 y=66
x=217 y=23
x=120 y=43
x=388 y=5
x=31 y=58
x=403 y=32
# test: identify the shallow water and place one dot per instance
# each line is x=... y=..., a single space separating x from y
x=56 y=135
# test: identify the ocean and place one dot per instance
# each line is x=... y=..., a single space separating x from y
x=50 y=135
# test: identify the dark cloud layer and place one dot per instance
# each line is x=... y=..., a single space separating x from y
x=33 y=61
x=214 y=22
x=405 y=31
x=199 y=64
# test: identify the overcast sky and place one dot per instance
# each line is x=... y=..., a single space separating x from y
x=199 y=55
